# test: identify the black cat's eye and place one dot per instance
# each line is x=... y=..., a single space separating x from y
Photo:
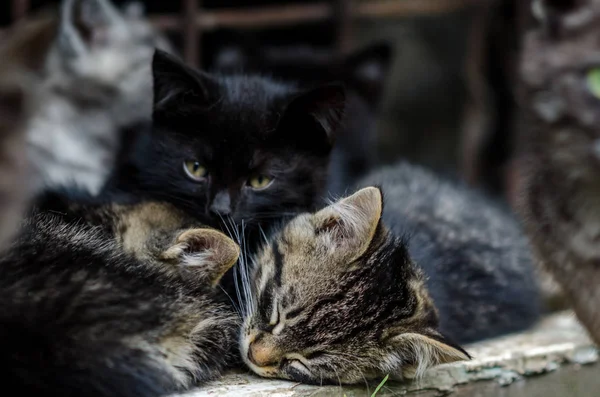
x=260 y=182
x=195 y=171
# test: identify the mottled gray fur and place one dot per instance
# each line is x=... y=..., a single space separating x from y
x=96 y=83
x=19 y=51
x=559 y=187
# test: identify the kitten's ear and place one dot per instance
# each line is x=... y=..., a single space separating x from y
x=206 y=254
x=367 y=70
x=173 y=81
x=85 y=23
x=311 y=120
x=350 y=224
x=421 y=352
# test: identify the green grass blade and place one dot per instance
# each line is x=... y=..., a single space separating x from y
x=380 y=385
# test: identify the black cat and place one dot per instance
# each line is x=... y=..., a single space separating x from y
x=363 y=72
x=240 y=150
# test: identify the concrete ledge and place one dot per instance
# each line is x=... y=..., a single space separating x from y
x=558 y=344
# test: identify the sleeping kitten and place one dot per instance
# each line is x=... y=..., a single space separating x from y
x=363 y=73
x=113 y=301
x=559 y=188
x=348 y=293
x=96 y=83
x=239 y=148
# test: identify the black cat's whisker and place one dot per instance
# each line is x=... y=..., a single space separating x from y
x=243 y=267
x=241 y=275
x=249 y=297
x=235 y=305
x=236 y=270
x=227 y=227
x=264 y=236
x=243 y=271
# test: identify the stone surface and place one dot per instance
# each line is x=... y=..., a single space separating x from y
x=549 y=360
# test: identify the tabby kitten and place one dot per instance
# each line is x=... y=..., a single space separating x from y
x=353 y=292
x=362 y=71
x=239 y=148
x=560 y=140
x=96 y=83
x=113 y=301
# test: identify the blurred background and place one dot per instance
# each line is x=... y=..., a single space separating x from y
x=446 y=101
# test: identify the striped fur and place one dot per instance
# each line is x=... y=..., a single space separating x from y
x=357 y=291
x=338 y=300
x=84 y=314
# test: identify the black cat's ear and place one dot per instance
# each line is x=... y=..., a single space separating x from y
x=85 y=24
x=367 y=70
x=349 y=225
x=421 y=351
x=204 y=254
x=174 y=81
x=311 y=120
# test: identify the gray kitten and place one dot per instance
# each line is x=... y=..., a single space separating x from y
x=96 y=83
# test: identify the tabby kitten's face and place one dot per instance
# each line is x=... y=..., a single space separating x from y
x=337 y=299
x=240 y=147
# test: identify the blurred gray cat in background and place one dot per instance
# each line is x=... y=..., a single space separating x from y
x=96 y=85
x=70 y=85
x=15 y=95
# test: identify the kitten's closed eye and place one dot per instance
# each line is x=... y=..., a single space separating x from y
x=195 y=171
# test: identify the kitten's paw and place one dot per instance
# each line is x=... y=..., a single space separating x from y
x=202 y=254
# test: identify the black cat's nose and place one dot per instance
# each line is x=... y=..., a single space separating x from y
x=221 y=204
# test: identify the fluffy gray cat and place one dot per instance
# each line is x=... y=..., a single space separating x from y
x=96 y=84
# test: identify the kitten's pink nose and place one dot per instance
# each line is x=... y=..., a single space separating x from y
x=262 y=351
